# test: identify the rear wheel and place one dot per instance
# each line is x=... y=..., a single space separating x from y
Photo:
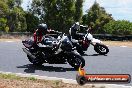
x=76 y=61
x=101 y=49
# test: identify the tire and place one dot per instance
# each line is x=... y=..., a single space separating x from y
x=37 y=61
x=76 y=61
x=99 y=48
x=81 y=80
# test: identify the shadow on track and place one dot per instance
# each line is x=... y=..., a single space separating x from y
x=30 y=68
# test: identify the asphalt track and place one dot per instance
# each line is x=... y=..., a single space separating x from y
x=118 y=61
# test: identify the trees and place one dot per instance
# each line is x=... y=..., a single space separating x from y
x=31 y=21
x=3 y=12
x=78 y=10
x=97 y=17
x=66 y=9
x=57 y=14
x=16 y=16
x=119 y=27
x=12 y=16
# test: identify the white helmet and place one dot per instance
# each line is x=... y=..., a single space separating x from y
x=77 y=25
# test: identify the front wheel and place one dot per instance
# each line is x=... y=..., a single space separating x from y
x=101 y=49
x=76 y=61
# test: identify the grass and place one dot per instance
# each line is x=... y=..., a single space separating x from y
x=9 y=76
x=32 y=78
x=13 y=76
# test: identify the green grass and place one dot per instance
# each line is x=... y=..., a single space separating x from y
x=9 y=76
x=32 y=78
x=13 y=76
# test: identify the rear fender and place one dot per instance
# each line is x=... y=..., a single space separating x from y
x=28 y=43
x=96 y=41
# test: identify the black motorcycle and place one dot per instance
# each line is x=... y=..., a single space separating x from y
x=53 y=51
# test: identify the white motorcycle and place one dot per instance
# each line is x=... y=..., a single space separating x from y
x=86 y=40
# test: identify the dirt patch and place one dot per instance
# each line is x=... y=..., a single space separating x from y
x=118 y=43
x=9 y=37
x=10 y=40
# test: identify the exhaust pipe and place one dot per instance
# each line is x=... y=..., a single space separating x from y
x=28 y=53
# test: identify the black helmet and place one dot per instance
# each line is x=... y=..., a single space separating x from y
x=42 y=27
x=66 y=45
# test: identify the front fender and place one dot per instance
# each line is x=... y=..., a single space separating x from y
x=75 y=52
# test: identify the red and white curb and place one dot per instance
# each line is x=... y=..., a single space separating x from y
x=70 y=81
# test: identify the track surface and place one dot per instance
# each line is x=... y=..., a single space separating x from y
x=118 y=61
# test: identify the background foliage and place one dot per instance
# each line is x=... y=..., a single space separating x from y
x=59 y=15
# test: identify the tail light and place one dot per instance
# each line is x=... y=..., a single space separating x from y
x=85 y=44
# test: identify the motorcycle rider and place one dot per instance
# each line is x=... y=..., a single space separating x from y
x=74 y=36
x=41 y=31
x=74 y=29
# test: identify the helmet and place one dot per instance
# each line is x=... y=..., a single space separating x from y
x=66 y=45
x=42 y=27
x=77 y=25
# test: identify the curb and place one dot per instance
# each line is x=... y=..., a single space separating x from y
x=70 y=81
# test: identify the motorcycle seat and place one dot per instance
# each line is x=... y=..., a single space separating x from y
x=28 y=43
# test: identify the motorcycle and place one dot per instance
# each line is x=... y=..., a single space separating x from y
x=86 y=40
x=53 y=51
